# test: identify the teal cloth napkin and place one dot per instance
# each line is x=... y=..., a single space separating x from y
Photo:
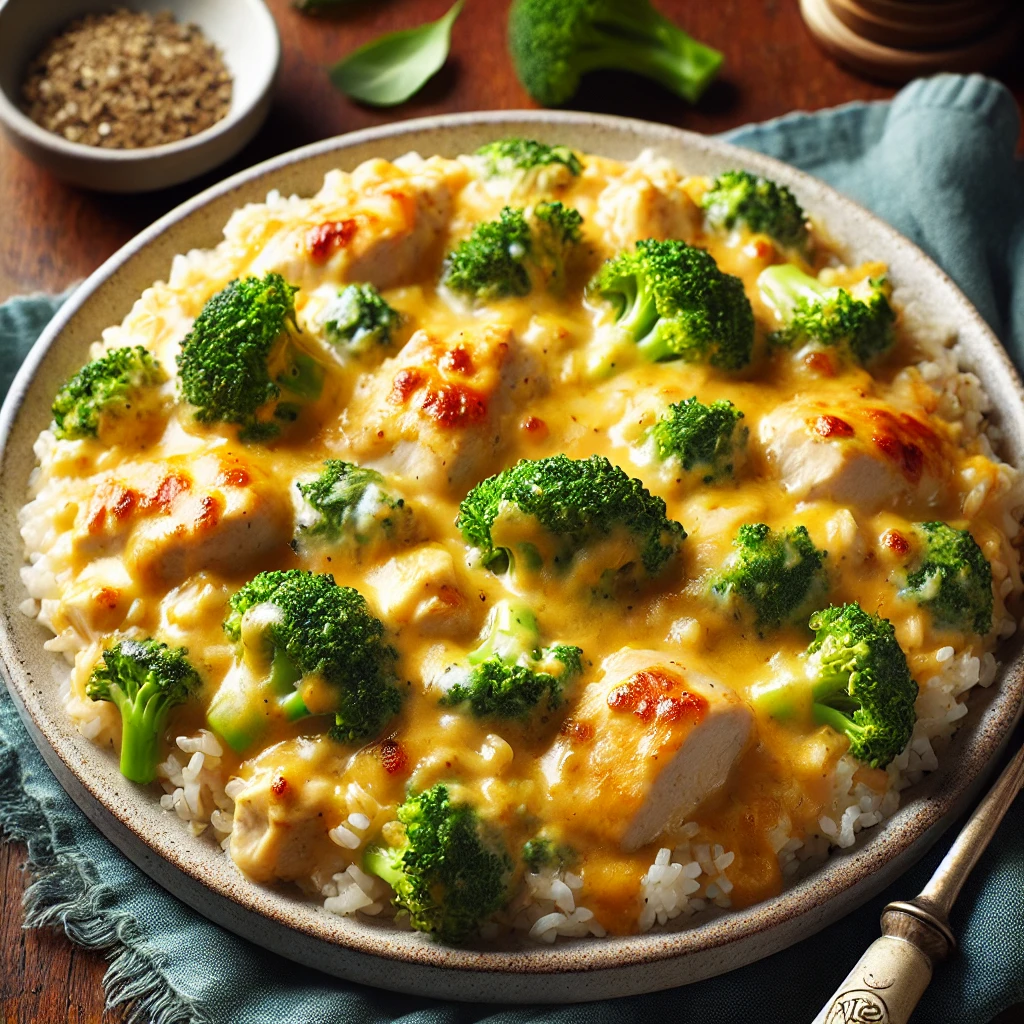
x=938 y=164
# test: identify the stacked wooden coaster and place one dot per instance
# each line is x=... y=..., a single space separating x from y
x=897 y=40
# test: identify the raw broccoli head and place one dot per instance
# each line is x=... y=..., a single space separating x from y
x=779 y=575
x=349 y=505
x=739 y=198
x=240 y=355
x=144 y=679
x=508 y=158
x=859 y=322
x=554 y=42
x=108 y=395
x=675 y=303
x=358 y=319
x=306 y=646
x=952 y=578
x=509 y=675
x=450 y=872
x=497 y=259
x=703 y=438
x=542 y=513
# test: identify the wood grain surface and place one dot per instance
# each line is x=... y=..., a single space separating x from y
x=52 y=234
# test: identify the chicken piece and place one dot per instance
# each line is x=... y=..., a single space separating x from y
x=854 y=451
x=96 y=603
x=422 y=588
x=379 y=224
x=647 y=201
x=175 y=517
x=432 y=413
x=284 y=814
x=646 y=745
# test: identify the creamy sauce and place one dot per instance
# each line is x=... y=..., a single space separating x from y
x=164 y=532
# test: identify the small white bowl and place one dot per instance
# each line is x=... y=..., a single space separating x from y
x=243 y=30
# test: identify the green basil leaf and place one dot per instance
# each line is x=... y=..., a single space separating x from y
x=390 y=69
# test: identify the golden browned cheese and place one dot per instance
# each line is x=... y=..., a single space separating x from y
x=163 y=534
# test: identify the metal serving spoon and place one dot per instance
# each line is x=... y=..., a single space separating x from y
x=892 y=975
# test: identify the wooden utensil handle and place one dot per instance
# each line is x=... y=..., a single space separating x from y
x=892 y=975
x=883 y=988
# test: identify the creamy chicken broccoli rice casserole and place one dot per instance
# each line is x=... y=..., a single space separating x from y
x=523 y=544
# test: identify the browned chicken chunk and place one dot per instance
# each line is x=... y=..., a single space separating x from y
x=646 y=745
x=854 y=451
x=178 y=516
x=432 y=413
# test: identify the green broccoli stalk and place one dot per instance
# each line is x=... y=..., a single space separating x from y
x=241 y=354
x=144 y=679
x=509 y=675
x=514 y=158
x=739 y=198
x=451 y=870
x=109 y=397
x=496 y=260
x=950 y=577
x=779 y=575
x=554 y=42
x=858 y=321
x=347 y=505
x=305 y=647
x=706 y=439
x=543 y=513
x=358 y=320
x=857 y=682
x=674 y=303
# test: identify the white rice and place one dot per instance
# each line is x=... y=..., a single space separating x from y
x=194 y=787
x=547 y=908
x=685 y=880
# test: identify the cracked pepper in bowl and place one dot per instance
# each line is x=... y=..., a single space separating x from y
x=127 y=80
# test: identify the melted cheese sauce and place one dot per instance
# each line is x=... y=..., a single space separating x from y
x=153 y=537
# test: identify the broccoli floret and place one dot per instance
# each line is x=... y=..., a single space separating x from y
x=542 y=852
x=108 y=396
x=509 y=675
x=241 y=354
x=491 y=263
x=675 y=303
x=779 y=575
x=858 y=321
x=144 y=679
x=358 y=319
x=556 y=232
x=305 y=647
x=450 y=872
x=497 y=259
x=702 y=438
x=554 y=42
x=349 y=505
x=542 y=513
x=508 y=158
x=760 y=205
x=858 y=682
x=952 y=578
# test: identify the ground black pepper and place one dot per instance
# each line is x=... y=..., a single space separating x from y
x=126 y=80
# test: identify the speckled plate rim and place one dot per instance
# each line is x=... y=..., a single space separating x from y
x=382 y=955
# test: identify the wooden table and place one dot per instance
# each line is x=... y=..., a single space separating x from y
x=52 y=234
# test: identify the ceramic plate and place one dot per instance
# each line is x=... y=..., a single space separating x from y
x=378 y=954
